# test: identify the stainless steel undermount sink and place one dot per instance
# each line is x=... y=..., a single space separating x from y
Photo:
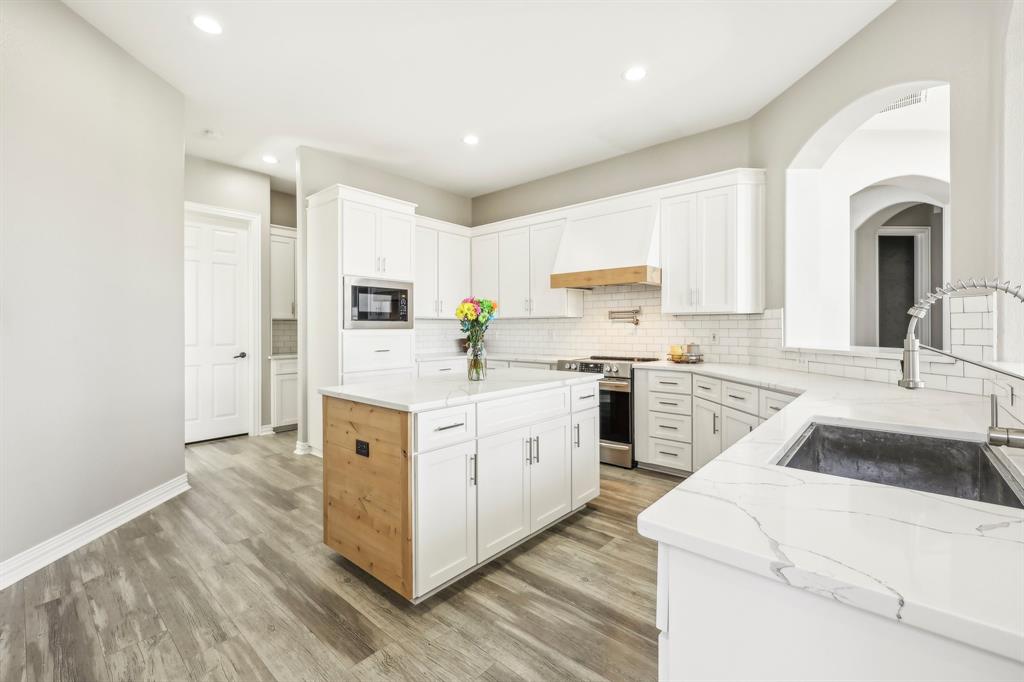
x=958 y=468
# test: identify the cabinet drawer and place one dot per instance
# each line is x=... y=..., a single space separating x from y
x=740 y=397
x=772 y=402
x=586 y=396
x=440 y=368
x=707 y=388
x=364 y=352
x=672 y=403
x=671 y=426
x=670 y=454
x=447 y=426
x=495 y=416
x=670 y=382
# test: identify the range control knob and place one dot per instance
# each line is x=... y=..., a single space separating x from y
x=607 y=368
x=574 y=365
x=614 y=369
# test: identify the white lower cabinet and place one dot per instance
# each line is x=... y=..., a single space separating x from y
x=735 y=425
x=550 y=473
x=586 y=464
x=503 y=491
x=284 y=392
x=707 y=431
x=446 y=509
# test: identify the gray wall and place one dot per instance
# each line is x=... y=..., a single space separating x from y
x=91 y=275
x=282 y=208
x=1010 y=343
x=707 y=152
x=319 y=169
x=217 y=184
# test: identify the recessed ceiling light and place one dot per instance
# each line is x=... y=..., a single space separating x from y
x=269 y=158
x=634 y=73
x=471 y=139
x=207 y=24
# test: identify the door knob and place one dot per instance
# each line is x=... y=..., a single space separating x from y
x=241 y=355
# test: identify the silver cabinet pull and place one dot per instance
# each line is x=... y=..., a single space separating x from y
x=384 y=264
x=773 y=408
x=735 y=397
x=445 y=369
x=749 y=428
x=449 y=427
x=666 y=426
x=577 y=435
x=382 y=350
x=472 y=469
x=714 y=423
x=526 y=305
x=529 y=451
x=537 y=454
x=662 y=402
x=670 y=454
x=668 y=383
x=586 y=397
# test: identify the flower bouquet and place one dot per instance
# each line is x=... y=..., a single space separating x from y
x=475 y=315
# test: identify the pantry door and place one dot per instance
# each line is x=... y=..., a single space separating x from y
x=218 y=324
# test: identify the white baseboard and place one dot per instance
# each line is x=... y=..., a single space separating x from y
x=316 y=452
x=266 y=430
x=32 y=559
x=303 y=448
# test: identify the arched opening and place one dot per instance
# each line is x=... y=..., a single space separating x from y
x=885 y=149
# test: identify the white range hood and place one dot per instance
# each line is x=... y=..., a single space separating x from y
x=611 y=244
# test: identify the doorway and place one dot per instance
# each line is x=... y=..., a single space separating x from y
x=903 y=278
x=222 y=314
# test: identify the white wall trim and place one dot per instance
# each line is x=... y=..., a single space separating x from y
x=45 y=553
x=254 y=222
x=266 y=430
x=303 y=448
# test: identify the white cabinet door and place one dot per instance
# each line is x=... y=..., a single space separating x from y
x=445 y=515
x=359 y=239
x=735 y=425
x=550 y=473
x=425 y=283
x=716 y=250
x=282 y=277
x=452 y=272
x=285 y=405
x=678 y=238
x=394 y=247
x=586 y=462
x=503 y=491
x=485 y=282
x=707 y=432
x=545 y=301
x=514 y=273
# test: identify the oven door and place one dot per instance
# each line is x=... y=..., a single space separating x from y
x=616 y=422
x=377 y=304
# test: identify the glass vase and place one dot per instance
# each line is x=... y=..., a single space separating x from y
x=476 y=362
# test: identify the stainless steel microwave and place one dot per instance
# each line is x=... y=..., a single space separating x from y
x=377 y=304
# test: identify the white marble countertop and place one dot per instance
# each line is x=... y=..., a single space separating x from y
x=950 y=566
x=497 y=355
x=429 y=393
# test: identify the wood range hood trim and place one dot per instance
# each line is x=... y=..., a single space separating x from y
x=588 y=279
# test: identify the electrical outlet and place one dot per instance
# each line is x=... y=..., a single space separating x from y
x=714 y=337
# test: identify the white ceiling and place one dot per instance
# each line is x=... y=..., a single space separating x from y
x=399 y=83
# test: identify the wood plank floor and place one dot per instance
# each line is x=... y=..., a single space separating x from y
x=230 y=581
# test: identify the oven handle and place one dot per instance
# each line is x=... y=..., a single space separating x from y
x=617 y=386
x=614 y=446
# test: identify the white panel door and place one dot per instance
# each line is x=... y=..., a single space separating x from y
x=425 y=283
x=678 y=239
x=716 y=250
x=216 y=328
x=545 y=301
x=735 y=425
x=485 y=268
x=282 y=277
x=550 y=473
x=395 y=248
x=503 y=491
x=452 y=272
x=445 y=515
x=586 y=457
x=514 y=272
x=707 y=431
x=359 y=239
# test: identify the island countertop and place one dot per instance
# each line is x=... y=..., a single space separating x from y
x=951 y=566
x=429 y=393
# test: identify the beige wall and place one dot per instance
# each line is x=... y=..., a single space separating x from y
x=707 y=152
x=1010 y=344
x=91 y=275
x=319 y=169
x=218 y=184
x=282 y=208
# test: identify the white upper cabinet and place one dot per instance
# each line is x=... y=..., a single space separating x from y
x=545 y=301
x=376 y=241
x=442 y=271
x=712 y=246
x=282 y=273
x=394 y=245
x=485 y=268
x=514 y=273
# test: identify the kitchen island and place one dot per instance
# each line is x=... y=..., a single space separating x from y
x=818 y=577
x=426 y=480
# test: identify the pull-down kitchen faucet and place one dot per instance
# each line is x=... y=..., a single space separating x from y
x=1013 y=438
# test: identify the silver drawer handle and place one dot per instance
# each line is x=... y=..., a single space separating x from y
x=666 y=426
x=445 y=369
x=585 y=397
x=735 y=397
x=704 y=388
x=449 y=427
x=670 y=454
x=772 y=407
x=382 y=350
x=668 y=383
x=662 y=402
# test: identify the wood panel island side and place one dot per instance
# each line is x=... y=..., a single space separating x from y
x=426 y=480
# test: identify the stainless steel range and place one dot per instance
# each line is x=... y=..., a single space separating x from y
x=616 y=403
